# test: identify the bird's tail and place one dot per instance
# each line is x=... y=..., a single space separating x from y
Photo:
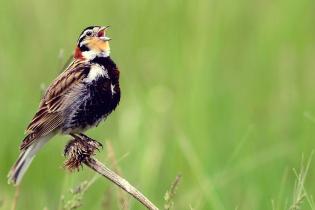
x=25 y=158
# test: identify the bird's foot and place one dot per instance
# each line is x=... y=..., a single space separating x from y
x=91 y=141
x=78 y=150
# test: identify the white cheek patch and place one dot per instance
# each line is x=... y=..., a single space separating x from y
x=95 y=72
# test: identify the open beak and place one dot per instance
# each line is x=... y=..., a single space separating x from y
x=102 y=33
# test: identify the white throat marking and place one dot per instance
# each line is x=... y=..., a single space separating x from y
x=95 y=72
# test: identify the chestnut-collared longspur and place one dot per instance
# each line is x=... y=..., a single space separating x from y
x=86 y=92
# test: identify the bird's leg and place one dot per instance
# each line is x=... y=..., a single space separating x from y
x=74 y=136
x=87 y=145
x=91 y=141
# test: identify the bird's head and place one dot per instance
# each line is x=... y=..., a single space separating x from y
x=92 y=43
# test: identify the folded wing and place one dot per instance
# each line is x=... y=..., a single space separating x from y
x=59 y=95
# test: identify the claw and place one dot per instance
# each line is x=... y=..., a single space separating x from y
x=92 y=142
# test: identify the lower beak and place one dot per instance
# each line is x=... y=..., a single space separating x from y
x=102 y=31
x=105 y=38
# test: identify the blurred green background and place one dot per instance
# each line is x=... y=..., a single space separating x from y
x=222 y=92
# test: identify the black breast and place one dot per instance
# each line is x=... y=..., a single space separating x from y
x=98 y=99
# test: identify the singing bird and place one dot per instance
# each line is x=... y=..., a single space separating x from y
x=84 y=94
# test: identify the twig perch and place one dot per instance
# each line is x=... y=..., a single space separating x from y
x=79 y=151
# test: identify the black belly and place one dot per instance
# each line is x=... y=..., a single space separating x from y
x=95 y=103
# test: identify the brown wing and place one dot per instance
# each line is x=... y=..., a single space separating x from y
x=58 y=96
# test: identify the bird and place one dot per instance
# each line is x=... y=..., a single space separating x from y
x=83 y=95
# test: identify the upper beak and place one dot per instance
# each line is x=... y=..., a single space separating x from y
x=102 y=31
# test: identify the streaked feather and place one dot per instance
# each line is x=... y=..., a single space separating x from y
x=59 y=95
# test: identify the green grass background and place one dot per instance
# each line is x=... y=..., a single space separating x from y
x=220 y=91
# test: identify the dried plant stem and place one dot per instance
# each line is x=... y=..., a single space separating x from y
x=170 y=194
x=299 y=193
x=100 y=168
x=107 y=200
x=16 y=198
x=79 y=151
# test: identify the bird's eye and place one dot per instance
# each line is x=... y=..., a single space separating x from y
x=89 y=33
